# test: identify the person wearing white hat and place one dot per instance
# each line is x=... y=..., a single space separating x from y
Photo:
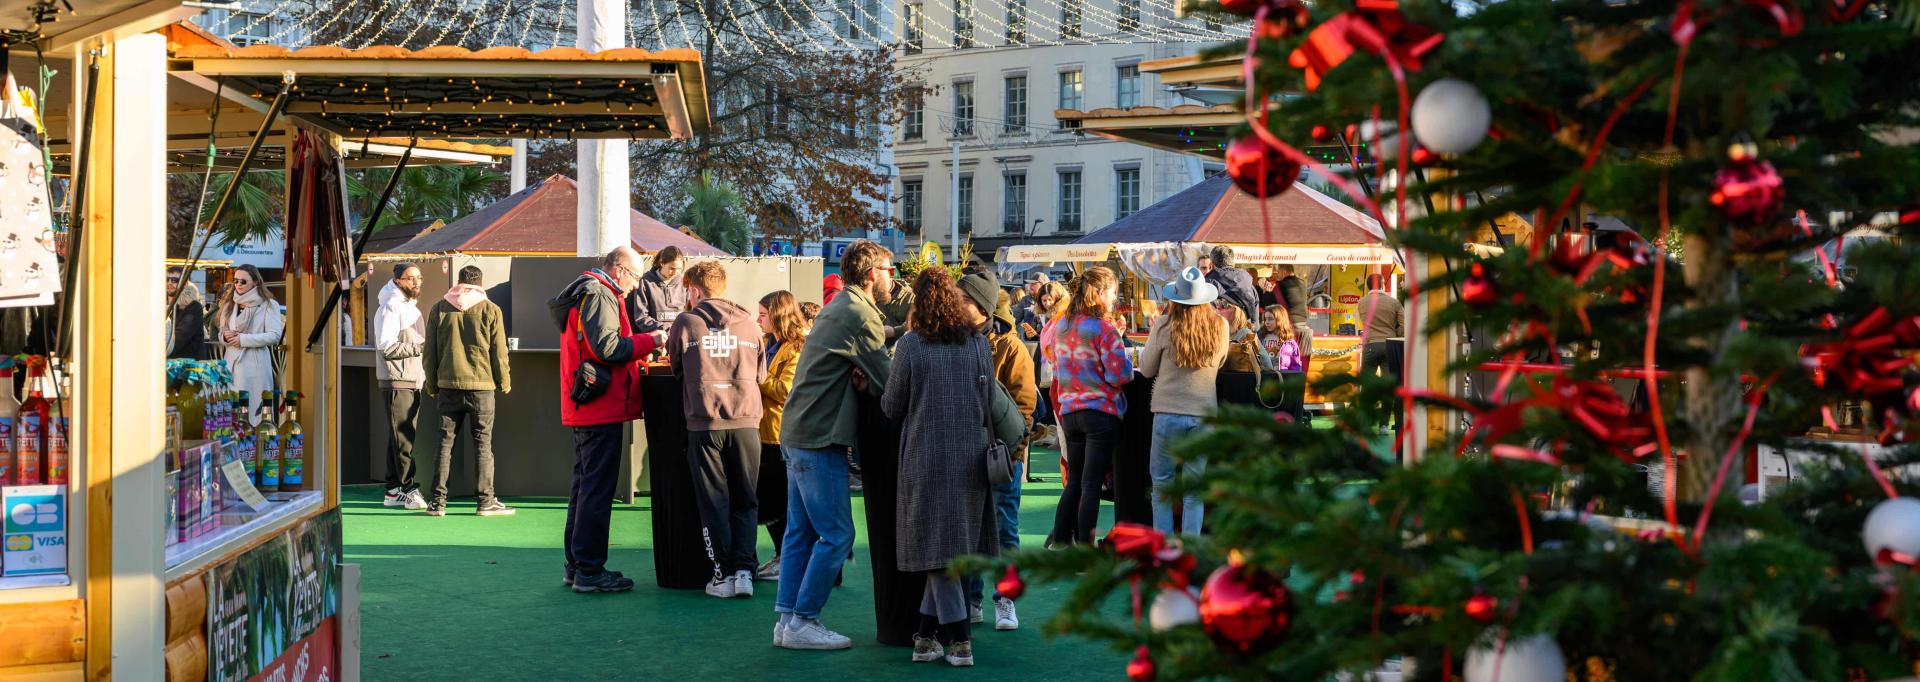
x=1184 y=352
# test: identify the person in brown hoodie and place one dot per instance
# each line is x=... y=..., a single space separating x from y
x=714 y=348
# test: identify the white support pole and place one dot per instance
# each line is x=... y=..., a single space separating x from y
x=953 y=204
x=603 y=221
x=518 y=180
x=139 y=234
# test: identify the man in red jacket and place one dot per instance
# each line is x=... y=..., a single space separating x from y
x=596 y=330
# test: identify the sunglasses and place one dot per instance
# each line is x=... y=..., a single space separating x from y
x=173 y=280
x=242 y=281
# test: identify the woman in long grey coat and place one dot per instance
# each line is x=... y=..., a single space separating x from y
x=944 y=507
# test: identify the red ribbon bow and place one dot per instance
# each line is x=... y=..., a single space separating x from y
x=1590 y=403
x=1870 y=355
x=1150 y=549
x=1376 y=26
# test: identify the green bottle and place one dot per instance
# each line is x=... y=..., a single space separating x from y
x=269 y=446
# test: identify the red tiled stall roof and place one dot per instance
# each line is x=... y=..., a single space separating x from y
x=1214 y=211
x=541 y=220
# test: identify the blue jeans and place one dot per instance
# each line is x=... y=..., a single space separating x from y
x=1167 y=427
x=819 y=529
x=1006 y=510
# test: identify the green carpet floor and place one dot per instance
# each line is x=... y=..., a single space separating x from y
x=464 y=597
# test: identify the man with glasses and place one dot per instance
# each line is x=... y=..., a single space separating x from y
x=600 y=352
x=846 y=354
x=399 y=334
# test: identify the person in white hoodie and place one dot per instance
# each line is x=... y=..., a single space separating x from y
x=399 y=336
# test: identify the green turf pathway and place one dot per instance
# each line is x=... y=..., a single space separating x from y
x=464 y=597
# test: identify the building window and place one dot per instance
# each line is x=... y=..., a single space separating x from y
x=966 y=204
x=1070 y=90
x=1070 y=201
x=870 y=18
x=1129 y=94
x=1016 y=22
x=1016 y=113
x=962 y=24
x=1013 y=206
x=913 y=126
x=916 y=22
x=1126 y=192
x=963 y=109
x=1129 y=15
x=1070 y=11
x=911 y=192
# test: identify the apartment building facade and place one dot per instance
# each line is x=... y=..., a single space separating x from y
x=993 y=73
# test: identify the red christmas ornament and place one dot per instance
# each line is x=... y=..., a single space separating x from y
x=1421 y=156
x=1245 y=609
x=1010 y=585
x=1481 y=607
x=1141 y=668
x=1319 y=133
x=1478 y=290
x=1258 y=169
x=1748 y=191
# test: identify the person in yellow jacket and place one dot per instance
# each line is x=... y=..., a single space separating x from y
x=785 y=327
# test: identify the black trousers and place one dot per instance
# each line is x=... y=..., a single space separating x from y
x=475 y=409
x=596 y=468
x=1384 y=357
x=1090 y=437
x=725 y=466
x=771 y=492
x=403 y=416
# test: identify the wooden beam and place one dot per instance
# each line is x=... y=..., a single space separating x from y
x=38 y=634
x=135 y=20
x=137 y=244
x=404 y=68
x=477 y=108
x=93 y=326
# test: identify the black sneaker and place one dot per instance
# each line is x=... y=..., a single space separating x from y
x=568 y=580
x=495 y=508
x=436 y=509
x=604 y=581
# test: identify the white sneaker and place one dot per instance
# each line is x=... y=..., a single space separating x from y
x=779 y=634
x=977 y=614
x=721 y=587
x=811 y=635
x=743 y=584
x=392 y=499
x=960 y=655
x=927 y=650
x=1004 y=617
x=414 y=501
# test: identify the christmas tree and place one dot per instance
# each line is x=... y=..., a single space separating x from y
x=1731 y=137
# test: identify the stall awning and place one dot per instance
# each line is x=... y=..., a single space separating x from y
x=1187 y=129
x=450 y=92
x=1214 y=211
x=1053 y=253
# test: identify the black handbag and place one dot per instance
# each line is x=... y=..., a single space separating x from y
x=999 y=455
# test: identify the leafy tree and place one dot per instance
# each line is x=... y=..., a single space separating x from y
x=713 y=211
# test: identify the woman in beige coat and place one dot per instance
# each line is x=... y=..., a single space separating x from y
x=250 y=326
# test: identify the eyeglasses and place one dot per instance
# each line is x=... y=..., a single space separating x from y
x=173 y=280
x=242 y=281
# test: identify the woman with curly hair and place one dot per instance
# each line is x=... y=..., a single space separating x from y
x=1090 y=365
x=943 y=508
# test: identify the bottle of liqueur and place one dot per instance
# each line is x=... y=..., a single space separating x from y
x=269 y=445
x=9 y=421
x=30 y=438
x=59 y=448
x=239 y=436
x=293 y=445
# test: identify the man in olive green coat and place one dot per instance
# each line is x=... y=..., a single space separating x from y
x=466 y=361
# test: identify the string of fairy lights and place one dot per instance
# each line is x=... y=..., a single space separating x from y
x=842 y=26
